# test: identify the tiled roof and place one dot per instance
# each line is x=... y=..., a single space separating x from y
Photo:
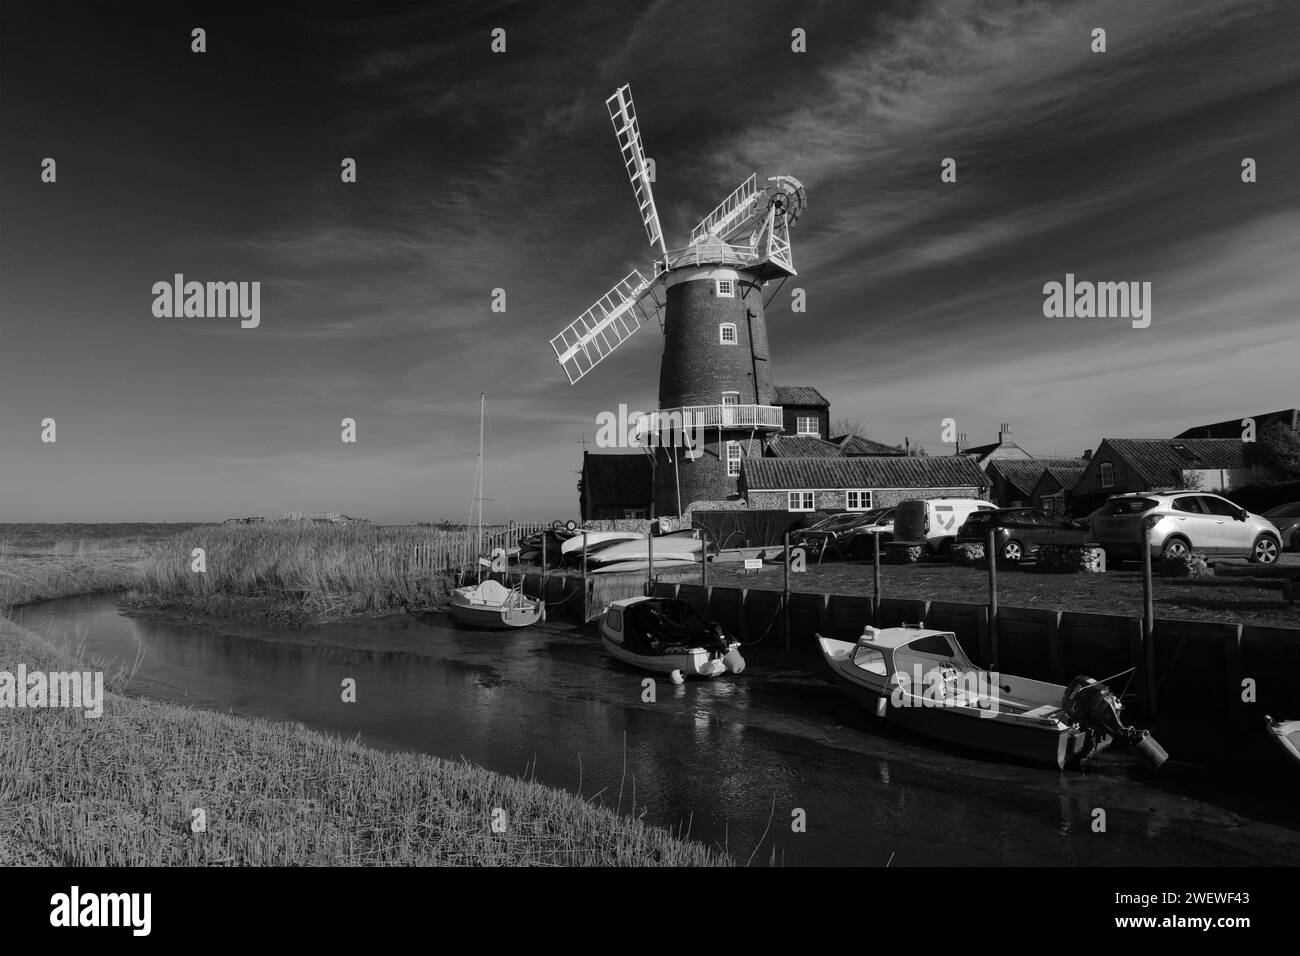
x=802 y=446
x=800 y=395
x=1068 y=475
x=614 y=479
x=956 y=471
x=1232 y=427
x=982 y=451
x=1161 y=461
x=857 y=445
x=1024 y=473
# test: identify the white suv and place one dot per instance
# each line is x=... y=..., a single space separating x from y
x=1185 y=521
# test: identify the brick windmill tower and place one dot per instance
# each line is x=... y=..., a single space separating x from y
x=715 y=378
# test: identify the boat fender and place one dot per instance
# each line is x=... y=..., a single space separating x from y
x=676 y=677
x=734 y=662
x=1150 y=750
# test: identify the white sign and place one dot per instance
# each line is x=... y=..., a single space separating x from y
x=753 y=564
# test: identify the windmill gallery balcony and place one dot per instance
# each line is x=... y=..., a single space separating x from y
x=690 y=417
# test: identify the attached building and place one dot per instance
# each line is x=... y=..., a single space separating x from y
x=1124 y=465
x=1014 y=479
x=856 y=484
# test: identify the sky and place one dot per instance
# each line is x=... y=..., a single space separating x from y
x=479 y=170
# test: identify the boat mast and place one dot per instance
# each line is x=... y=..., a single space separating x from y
x=478 y=541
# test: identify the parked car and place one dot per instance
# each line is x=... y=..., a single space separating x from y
x=855 y=540
x=1020 y=531
x=1286 y=518
x=934 y=521
x=1185 y=521
x=816 y=536
x=836 y=534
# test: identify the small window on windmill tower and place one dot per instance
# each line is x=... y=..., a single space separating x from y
x=727 y=287
x=727 y=333
x=733 y=459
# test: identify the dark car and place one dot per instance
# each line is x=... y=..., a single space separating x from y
x=821 y=536
x=1286 y=518
x=855 y=541
x=1020 y=531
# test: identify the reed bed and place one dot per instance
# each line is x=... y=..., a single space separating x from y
x=121 y=791
x=297 y=573
x=26 y=577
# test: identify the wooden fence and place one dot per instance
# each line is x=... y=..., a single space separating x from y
x=456 y=550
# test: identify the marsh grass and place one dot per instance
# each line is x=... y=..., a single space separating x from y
x=120 y=791
x=292 y=573
x=27 y=576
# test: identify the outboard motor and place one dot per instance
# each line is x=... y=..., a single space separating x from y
x=1092 y=705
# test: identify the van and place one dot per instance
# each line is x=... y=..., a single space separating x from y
x=934 y=521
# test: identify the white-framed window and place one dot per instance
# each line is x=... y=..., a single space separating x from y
x=857 y=499
x=726 y=287
x=1106 y=472
x=799 y=500
x=733 y=459
x=807 y=426
x=727 y=333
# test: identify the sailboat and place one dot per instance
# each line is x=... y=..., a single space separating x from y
x=490 y=604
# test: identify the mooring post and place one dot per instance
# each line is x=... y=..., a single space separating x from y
x=785 y=596
x=584 y=577
x=650 y=568
x=991 y=556
x=875 y=580
x=544 y=539
x=704 y=559
x=1148 y=660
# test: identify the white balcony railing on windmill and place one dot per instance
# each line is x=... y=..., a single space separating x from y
x=711 y=254
x=711 y=416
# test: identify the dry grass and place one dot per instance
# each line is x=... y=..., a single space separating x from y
x=292 y=573
x=35 y=576
x=120 y=790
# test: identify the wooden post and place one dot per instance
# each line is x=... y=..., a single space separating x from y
x=875 y=580
x=704 y=560
x=991 y=555
x=543 y=564
x=1148 y=659
x=785 y=597
x=584 y=577
x=650 y=569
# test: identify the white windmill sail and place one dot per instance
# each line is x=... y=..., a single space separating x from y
x=734 y=215
x=623 y=115
x=589 y=338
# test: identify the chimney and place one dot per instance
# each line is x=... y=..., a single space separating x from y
x=961 y=442
x=1004 y=432
x=907 y=445
x=1087 y=454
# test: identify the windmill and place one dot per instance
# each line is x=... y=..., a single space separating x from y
x=715 y=370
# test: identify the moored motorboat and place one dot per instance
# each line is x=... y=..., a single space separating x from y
x=492 y=606
x=923 y=681
x=667 y=636
x=1287 y=734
